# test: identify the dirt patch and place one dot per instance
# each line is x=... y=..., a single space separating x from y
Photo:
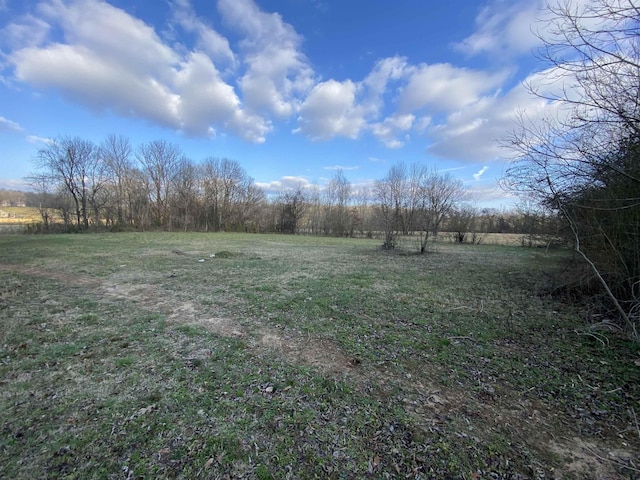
x=321 y=355
x=221 y=326
x=584 y=459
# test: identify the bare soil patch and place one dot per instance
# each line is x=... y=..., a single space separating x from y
x=305 y=351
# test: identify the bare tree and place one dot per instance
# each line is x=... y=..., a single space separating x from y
x=462 y=221
x=138 y=191
x=314 y=210
x=389 y=194
x=116 y=154
x=42 y=184
x=160 y=162
x=292 y=205
x=185 y=194
x=586 y=164
x=70 y=161
x=383 y=192
x=337 y=196
x=415 y=200
x=230 y=195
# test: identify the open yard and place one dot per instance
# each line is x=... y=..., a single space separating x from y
x=161 y=355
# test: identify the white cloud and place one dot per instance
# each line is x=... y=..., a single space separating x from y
x=423 y=123
x=108 y=60
x=330 y=111
x=479 y=173
x=387 y=130
x=37 y=139
x=475 y=132
x=504 y=28
x=15 y=184
x=278 y=73
x=112 y=61
x=345 y=109
x=376 y=160
x=492 y=196
x=205 y=100
x=386 y=69
x=340 y=167
x=208 y=39
x=284 y=184
x=444 y=87
x=29 y=31
x=376 y=83
x=112 y=35
x=7 y=125
x=85 y=76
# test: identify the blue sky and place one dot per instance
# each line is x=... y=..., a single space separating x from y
x=291 y=89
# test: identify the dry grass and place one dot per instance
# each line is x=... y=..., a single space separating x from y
x=19 y=215
x=125 y=356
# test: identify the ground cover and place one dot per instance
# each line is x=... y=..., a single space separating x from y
x=144 y=355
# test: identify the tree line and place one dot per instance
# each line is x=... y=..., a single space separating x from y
x=117 y=186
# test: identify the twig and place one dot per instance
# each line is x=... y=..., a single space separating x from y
x=606 y=324
x=462 y=338
x=618 y=463
x=635 y=419
x=596 y=336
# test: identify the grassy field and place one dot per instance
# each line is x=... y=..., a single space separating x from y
x=20 y=215
x=151 y=355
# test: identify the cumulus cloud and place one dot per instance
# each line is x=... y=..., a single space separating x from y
x=330 y=111
x=207 y=100
x=444 y=87
x=113 y=35
x=109 y=60
x=102 y=57
x=85 y=76
x=376 y=84
x=7 y=125
x=475 y=132
x=504 y=28
x=387 y=130
x=345 y=109
x=208 y=40
x=386 y=69
x=278 y=73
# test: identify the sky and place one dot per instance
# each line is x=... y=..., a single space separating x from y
x=291 y=89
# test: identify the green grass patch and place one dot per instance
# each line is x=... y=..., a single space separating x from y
x=124 y=356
